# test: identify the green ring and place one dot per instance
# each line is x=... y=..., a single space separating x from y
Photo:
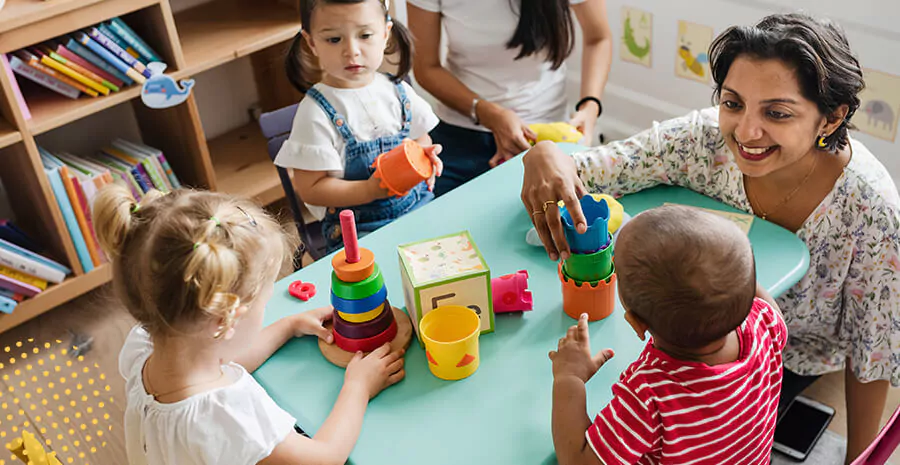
x=591 y=267
x=360 y=290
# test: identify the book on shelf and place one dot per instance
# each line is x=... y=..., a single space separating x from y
x=108 y=32
x=75 y=58
x=23 y=277
x=27 y=261
x=33 y=71
x=117 y=51
x=52 y=167
x=20 y=100
x=131 y=38
x=18 y=287
x=11 y=233
x=110 y=58
x=7 y=305
x=94 y=59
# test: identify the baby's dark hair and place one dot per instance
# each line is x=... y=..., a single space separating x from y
x=688 y=274
x=827 y=71
x=300 y=64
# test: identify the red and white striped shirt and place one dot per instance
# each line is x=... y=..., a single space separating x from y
x=671 y=411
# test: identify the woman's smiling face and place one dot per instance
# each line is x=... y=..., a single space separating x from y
x=766 y=121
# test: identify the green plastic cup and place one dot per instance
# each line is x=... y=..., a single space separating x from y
x=590 y=267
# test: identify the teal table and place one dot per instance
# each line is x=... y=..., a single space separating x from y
x=501 y=414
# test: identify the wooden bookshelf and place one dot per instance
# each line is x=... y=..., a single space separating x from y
x=190 y=42
x=8 y=135
x=243 y=166
x=222 y=30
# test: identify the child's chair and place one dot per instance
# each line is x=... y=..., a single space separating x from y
x=276 y=127
x=884 y=444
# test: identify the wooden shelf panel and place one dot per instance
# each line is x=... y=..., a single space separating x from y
x=18 y=13
x=8 y=135
x=56 y=295
x=222 y=30
x=243 y=167
x=50 y=110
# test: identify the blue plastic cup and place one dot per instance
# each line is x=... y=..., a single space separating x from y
x=597 y=235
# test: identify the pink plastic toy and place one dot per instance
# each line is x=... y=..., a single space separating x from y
x=302 y=291
x=511 y=293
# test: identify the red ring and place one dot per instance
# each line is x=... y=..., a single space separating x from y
x=368 y=344
x=301 y=290
x=366 y=329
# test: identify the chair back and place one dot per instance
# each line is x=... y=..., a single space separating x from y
x=884 y=444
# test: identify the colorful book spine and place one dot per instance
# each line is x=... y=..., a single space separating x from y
x=133 y=166
x=118 y=40
x=12 y=295
x=92 y=57
x=85 y=72
x=44 y=79
x=119 y=52
x=11 y=233
x=157 y=166
x=72 y=56
x=101 y=51
x=47 y=61
x=24 y=278
x=124 y=174
x=18 y=287
x=20 y=100
x=79 y=214
x=26 y=265
x=38 y=258
x=7 y=305
x=81 y=190
x=125 y=33
x=62 y=199
x=169 y=172
x=35 y=63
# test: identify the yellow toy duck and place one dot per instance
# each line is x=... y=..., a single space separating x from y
x=556 y=132
x=30 y=451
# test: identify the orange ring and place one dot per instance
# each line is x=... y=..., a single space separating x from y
x=353 y=272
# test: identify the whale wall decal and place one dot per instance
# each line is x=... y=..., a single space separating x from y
x=161 y=91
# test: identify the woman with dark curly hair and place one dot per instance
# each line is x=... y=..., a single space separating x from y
x=777 y=146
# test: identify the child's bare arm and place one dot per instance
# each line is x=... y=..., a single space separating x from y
x=272 y=337
x=764 y=295
x=333 y=442
x=317 y=188
x=570 y=421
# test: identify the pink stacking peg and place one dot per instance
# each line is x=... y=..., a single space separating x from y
x=351 y=242
x=510 y=293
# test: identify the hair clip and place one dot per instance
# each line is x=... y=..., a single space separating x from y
x=196 y=244
x=249 y=217
x=213 y=218
x=135 y=208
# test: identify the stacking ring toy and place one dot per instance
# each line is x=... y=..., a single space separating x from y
x=361 y=317
x=359 y=306
x=367 y=345
x=358 y=290
x=365 y=330
x=356 y=271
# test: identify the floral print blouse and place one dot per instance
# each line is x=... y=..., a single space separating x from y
x=848 y=303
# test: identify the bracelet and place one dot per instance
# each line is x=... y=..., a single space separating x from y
x=590 y=99
x=473 y=113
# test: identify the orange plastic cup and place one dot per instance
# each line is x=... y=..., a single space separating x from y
x=597 y=299
x=403 y=167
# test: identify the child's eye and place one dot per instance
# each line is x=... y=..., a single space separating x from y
x=366 y=35
x=333 y=40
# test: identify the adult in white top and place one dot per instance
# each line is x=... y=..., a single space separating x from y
x=778 y=147
x=505 y=69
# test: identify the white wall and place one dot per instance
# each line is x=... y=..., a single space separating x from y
x=636 y=95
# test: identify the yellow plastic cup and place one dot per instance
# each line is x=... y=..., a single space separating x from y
x=451 y=334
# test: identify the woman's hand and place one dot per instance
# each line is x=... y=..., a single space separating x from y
x=584 y=120
x=376 y=371
x=511 y=134
x=312 y=323
x=550 y=176
x=433 y=151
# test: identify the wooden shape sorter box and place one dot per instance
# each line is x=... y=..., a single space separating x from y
x=446 y=270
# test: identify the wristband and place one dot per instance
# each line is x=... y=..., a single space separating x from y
x=590 y=99
x=367 y=329
x=473 y=113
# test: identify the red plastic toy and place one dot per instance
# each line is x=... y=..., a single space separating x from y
x=301 y=290
x=511 y=293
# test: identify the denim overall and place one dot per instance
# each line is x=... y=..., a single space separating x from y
x=358 y=159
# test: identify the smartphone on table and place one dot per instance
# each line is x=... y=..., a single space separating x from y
x=800 y=427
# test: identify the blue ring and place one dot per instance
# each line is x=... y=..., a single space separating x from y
x=361 y=305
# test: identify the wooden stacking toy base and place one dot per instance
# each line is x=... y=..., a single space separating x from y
x=341 y=357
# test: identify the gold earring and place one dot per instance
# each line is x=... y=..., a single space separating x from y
x=820 y=142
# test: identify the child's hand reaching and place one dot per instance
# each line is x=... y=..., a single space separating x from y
x=433 y=151
x=312 y=323
x=573 y=356
x=376 y=371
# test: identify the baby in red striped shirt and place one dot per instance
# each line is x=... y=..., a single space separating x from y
x=705 y=388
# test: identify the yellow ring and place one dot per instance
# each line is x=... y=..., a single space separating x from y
x=535 y=213
x=361 y=317
x=548 y=203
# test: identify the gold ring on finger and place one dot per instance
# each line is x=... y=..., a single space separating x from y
x=548 y=203
x=536 y=212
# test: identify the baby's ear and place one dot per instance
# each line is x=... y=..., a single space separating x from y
x=637 y=324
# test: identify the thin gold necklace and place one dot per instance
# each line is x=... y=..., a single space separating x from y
x=764 y=214
x=157 y=396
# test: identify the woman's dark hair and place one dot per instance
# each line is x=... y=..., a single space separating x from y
x=300 y=64
x=818 y=50
x=544 y=26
